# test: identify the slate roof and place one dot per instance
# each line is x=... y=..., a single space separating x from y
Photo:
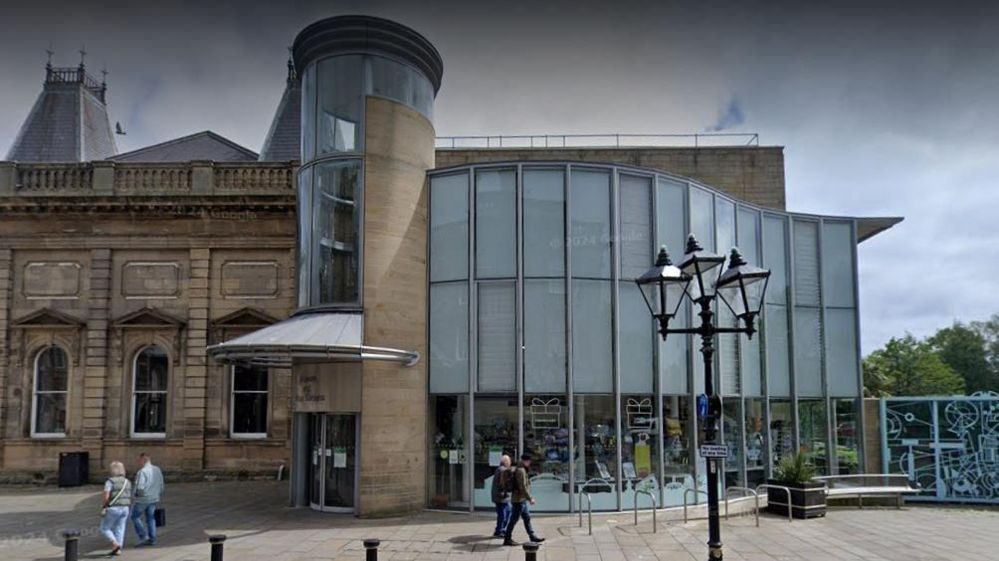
x=205 y=145
x=283 y=140
x=68 y=122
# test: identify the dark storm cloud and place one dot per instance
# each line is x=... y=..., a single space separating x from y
x=885 y=108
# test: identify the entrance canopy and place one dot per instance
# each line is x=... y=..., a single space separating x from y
x=313 y=337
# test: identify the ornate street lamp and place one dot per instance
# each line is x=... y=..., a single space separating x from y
x=701 y=278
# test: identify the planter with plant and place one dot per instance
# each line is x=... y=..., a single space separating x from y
x=808 y=498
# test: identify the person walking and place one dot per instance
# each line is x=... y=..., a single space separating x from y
x=148 y=491
x=522 y=499
x=502 y=484
x=114 y=510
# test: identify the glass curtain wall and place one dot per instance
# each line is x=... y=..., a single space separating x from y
x=540 y=342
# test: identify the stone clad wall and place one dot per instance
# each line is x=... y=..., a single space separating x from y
x=398 y=152
x=754 y=174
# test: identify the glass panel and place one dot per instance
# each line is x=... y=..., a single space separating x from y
x=52 y=374
x=728 y=353
x=449 y=337
x=639 y=450
x=495 y=223
x=755 y=447
x=402 y=83
x=635 y=199
x=775 y=257
x=495 y=435
x=812 y=432
x=671 y=210
x=546 y=439
x=596 y=454
x=674 y=356
x=544 y=336
x=340 y=460
x=249 y=413
x=50 y=413
x=340 y=104
x=309 y=113
x=749 y=235
x=841 y=352
x=316 y=425
x=778 y=351
x=678 y=470
x=449 y=414
x=732 y=433
x=496 y=337
x=636 y=341
x=847 y=449
x=702 y=222
x=449 y=227
x=249 y=378
x=590 y=229
x=150 y=413
x=749 y=364
x=304 y=236
x=781 y=429
x=807 y=352
x=806 y=263
x=544 y=223
x=151 y=367
x=591 y=337
x=336 y=229
x=725 y=222
x=837 y=264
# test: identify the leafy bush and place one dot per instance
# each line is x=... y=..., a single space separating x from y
x=794 y=470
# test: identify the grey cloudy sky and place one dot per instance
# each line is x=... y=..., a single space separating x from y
x=885 y=108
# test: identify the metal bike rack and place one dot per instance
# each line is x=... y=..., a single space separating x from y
x=589 y=501
x=655 y=505
x=686 y=493
x=748 y=491
x=790 y=514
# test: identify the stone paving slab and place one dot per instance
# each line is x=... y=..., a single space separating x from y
x=261 y=528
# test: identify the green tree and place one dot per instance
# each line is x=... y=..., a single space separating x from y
x=989 y=330
x=964 y=348
x=907 y=366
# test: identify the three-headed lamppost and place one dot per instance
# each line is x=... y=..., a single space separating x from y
x=699 y=277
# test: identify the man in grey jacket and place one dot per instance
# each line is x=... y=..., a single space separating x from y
x=501 y=496
x=148 y=491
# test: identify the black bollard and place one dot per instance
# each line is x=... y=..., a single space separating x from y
x=371 y=550
x=218 y=543
x=531 y=551
x=72 y=544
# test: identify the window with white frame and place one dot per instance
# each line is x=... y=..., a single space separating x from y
x=150 y=375
x=48 y=405
x=248 y=418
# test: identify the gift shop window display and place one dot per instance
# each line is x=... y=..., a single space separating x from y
x=639 y=450
x=495 y=435
x=755 y=445
x=596 y=450
x=546 y=440
x=678 y=473
x=732 y=433
x=447 y=440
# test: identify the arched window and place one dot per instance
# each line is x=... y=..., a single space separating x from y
x=150 y=375
x=48 y=406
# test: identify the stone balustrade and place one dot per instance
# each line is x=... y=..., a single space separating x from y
x=102 y=178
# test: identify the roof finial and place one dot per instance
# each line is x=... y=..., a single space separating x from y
x=83 y=54
x=49 y=52
x=291 y=67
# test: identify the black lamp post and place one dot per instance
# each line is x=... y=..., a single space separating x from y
x=699 y=277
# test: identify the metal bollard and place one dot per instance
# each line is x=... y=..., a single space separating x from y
x=72 y=544
x=531 y=551
x=218 y=543
x=371 y=550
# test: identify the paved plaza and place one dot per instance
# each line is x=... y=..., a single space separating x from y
x=261 y=528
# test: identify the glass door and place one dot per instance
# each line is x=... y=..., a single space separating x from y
x=332 y=462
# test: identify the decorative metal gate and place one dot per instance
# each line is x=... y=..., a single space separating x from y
x=949 y=445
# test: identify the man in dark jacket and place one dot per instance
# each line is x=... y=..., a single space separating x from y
x=522 y=499
x=501 y=495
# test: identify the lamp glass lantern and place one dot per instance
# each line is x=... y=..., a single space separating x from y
x=742 y=287
x=663 y=287
x=704 y=269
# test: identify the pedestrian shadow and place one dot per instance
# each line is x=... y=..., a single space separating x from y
x=476 y=543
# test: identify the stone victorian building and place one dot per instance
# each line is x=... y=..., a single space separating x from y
x=363 y=305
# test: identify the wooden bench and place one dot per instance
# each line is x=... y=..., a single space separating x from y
x=868 y=485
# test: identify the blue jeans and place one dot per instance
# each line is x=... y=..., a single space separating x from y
x=113 y=525
x=502 y=517
x=520 y=510
x=147 y=511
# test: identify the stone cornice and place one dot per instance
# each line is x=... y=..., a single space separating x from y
x=181 y=206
